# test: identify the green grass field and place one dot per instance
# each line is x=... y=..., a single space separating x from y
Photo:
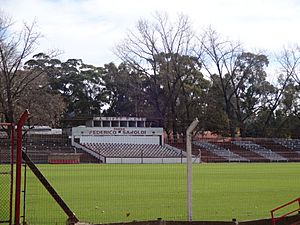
x=101 y=193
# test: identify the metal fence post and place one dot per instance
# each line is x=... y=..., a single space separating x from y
x=189 y=166
x=20 y=125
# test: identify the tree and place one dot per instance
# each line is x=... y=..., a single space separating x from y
x=218 y=58
x=80 y=84
x=183 y=88
x=160 y=52
x=124 y=90
x=250 y=85
x=238 y=76
x=21 y=86
x=287 y=114
x=279 y=97
x=46 y=106
x=282 y=107
x=289 y=61
x=14 y=50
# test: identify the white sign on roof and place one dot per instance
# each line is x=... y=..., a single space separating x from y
x=116 y=131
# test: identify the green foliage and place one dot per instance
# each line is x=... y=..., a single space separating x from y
x=161 y=77
x=80 y=84
x=124 y=87
x=177 y=92
x=174 y=95
x=182 y=90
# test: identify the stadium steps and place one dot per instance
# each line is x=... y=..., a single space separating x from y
x=293 y=144
x=206 y=156
x=291 y=155
x=117 y=150
x=39 y=147
x=220 y=151
x=47 y=139
x=265 y=152
x=251 y=156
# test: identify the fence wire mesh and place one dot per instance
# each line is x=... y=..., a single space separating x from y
x=5 y=178
x=5 y=181
x=105 y=193
x=101 y=193
x=40 y=208
x=108 y=193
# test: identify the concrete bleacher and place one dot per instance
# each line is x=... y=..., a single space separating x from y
x=201 y=153
x=39 y=147
x=220 y=151
x=123 y=150
x=291 y=154
x=39 y=153
x=249 y=155
x=260 y=150
x=293 y=144
x=47 y=140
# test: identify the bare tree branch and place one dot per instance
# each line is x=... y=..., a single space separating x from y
x=14 y=49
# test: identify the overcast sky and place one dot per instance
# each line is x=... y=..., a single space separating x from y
x=89 y=29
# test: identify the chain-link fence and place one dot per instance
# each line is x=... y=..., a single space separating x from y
x=100 y=192
x=6 y=173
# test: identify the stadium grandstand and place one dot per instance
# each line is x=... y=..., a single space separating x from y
x=244 y=149
x=137 y=140
x=125 y=140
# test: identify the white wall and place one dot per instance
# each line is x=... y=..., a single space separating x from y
x=148 y=160
x=120 y=139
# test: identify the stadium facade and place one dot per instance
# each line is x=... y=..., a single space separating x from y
x=125 y=140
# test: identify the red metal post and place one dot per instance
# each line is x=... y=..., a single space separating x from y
x=20 y=125
x=274 y=219
x=12 y=147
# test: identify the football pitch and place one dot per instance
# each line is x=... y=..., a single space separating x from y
x=103 y=193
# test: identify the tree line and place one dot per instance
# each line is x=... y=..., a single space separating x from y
x=168 y=73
